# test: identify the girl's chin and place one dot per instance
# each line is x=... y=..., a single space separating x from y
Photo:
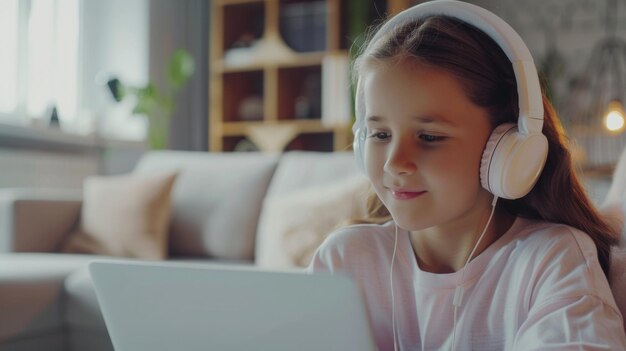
x=410 y=224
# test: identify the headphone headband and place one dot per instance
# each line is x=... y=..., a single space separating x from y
x=530 y=116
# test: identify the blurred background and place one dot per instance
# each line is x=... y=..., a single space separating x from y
x=88 y=86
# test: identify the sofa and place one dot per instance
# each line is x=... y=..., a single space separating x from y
x=224 y=209
x=267 y=211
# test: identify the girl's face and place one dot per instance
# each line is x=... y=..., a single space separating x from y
x=424 y=144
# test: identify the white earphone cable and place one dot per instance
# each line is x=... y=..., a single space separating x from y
x=458 y=292
x=393 y=302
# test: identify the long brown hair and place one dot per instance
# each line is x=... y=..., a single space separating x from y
x=487 y=77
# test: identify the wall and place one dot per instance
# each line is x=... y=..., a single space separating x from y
x=561 y=35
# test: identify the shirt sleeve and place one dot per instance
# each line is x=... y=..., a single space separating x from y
x=583 y=323
x=353 y=249
x=572 y=307
x=327 y=258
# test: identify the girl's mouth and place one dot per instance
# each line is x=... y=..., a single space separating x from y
x=401 y=194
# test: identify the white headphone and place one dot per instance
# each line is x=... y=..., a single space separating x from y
x=514 y=154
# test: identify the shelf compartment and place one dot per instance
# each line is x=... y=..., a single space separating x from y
x=243 y=96
x=357 y=16
x=244 y=23
x=312 y=142
x=303 y=25
x=300 y=91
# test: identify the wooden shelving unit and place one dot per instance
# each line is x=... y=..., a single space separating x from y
x=266 y=73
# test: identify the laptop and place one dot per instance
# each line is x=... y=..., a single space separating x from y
x=157 y=307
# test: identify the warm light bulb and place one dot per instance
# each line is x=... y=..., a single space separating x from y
x=614 y=117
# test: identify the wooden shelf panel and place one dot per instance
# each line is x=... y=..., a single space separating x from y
x=297 y=60
x=236 y=2
x=304 y=126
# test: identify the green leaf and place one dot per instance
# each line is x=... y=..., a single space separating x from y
x=181 y=68
x=148 y=92
x=167 y=105
x=143 y=107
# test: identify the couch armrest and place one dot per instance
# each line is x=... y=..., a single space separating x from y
x=36 y=220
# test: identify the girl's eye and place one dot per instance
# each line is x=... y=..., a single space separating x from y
x=431 y=138
x=380 y=135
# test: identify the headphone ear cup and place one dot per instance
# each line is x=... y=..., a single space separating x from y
x=358 y=128
x=358 y=147
x=512 y=162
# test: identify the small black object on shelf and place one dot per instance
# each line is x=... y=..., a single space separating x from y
x=309 y=104
x=54 y=118
x=115 y=86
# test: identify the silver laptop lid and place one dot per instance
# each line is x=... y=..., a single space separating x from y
x=156 y=307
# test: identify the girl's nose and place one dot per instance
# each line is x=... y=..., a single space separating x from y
x=401 y=159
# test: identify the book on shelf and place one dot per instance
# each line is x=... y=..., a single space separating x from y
x=303 y=25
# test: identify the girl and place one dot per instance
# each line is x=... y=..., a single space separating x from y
x=444 y=264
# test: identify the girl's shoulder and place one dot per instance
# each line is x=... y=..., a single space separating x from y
x=545 y=237
x=361 y=233
x=560 y=262
x=357 y=243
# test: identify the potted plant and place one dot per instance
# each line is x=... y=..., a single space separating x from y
x=157 y=105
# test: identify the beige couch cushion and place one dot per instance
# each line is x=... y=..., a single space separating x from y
x=613 y=206
x=126 y=215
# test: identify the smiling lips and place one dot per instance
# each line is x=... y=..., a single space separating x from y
x=401 y=194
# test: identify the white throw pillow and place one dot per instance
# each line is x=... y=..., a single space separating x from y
x=293 y=225
x=614 y=215
x=614 y=205
x=617 y=278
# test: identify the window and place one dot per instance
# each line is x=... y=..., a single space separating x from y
x=39 y=58
x=8 y=55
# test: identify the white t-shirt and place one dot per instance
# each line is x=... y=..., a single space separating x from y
x=538 y=287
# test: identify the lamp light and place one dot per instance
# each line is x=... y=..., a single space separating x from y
x=614 y=117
